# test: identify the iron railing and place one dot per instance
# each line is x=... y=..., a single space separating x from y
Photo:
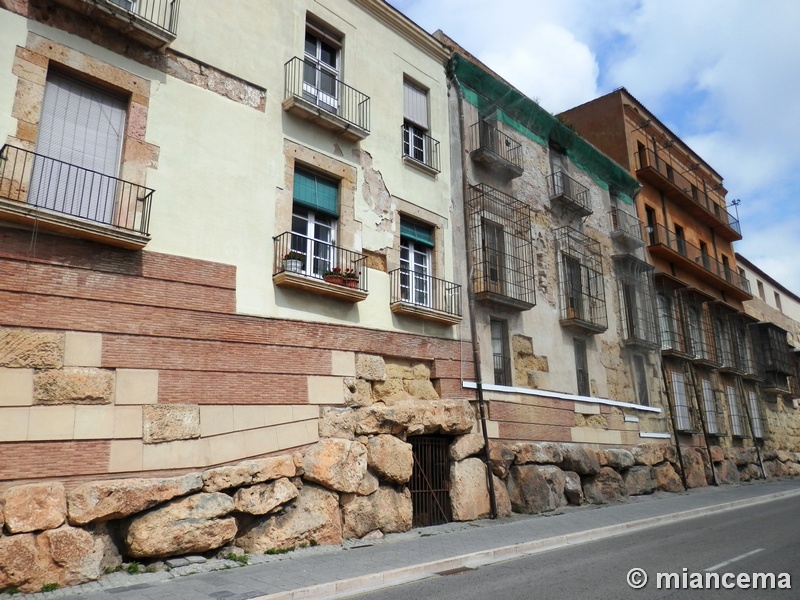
x=658 y=234
x=304 y=79
x=684 y=412
x=488 y=137
x=699 y=333
x=161 y=13
x=429 y=484
x=713 y=415
x=57 y=186
x=419 y=146
x=625 y=226
x=562 y=186
x=637 y=301
x=674 y=172
x=410 y=287
x=307 y=257
x=581 y=282
x=773 y=349
x=502 y=369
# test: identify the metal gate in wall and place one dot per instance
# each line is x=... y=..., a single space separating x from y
x=430 y=480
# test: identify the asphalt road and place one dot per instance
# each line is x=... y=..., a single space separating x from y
x=758 y=539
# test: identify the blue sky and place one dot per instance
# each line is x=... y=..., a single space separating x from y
x=722 y=74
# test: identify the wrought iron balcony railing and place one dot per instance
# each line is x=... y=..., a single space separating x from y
x=311 y=259
x=425 y=296
x=486 y=143
x=161 y=13
x=626 y=228
x=574 y=195
x=319 y=89
x=502 y=369
x=660 y=235
x=687 y=190
x=40 y=182
x=421 y=147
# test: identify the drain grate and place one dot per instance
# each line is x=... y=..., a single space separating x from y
x=457 y=571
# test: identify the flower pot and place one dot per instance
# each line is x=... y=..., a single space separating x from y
x=293 y=265
x=351 y=283
x=337 y=279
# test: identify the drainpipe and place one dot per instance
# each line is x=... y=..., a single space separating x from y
x=701 y=411
x=674 y=428
x=473 y=326
x=750 y=422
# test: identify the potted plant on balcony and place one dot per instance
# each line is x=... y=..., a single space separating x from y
x=334 y=275
x=350 y=278
x=293 y=261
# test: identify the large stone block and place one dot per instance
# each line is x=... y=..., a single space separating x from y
x=337 y=423
x=649 y=454
x=694 y=469
x=357 y=392
x=619 y=459
x=249 y=472
x=184 y=526
x=336 y=463
x=579 y=459
x=264 y=498
x=606 y=486
x=387 y=510
x=536 y=489
x=119 y=498
x=73 y=385
x=390 y=458
x=370 y=367
x=170 y=422
x=452 y=417
x=76 y=553
x=466 y=445
x=502 y=500
x=390 y=392
x=501 y=456
x=31 y=349
x=313 y=517
x=666 y=478
x=420 y=389
x=639 y=480
x=727 y=472
x=469 y=494
x=34 y=507
x=541 y=453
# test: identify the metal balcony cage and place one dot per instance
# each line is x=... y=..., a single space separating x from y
x=574 y=196
x=306 y=257
x=698 y=329
x=637 y=301
x=773 y=349
x=684 y=413
x=713 y=414
x=484 y=137
x=625 y=228
x=502 y=253
x=59 y=187
x=581 y=283
x=670 y=319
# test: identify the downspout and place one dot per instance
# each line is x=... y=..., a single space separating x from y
x=473 y=326
x=702 y=412
x=674 y=428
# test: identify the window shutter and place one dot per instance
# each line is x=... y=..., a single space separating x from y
x=316 y=193
x=416 y=231
x=416 y=105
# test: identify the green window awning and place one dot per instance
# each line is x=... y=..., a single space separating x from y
x=316 y=193
x=416 y=231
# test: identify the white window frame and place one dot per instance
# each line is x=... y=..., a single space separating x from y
x=314 y=91
x=415 y=277
x=316 y=240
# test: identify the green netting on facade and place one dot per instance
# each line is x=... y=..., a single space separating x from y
x=496 y=99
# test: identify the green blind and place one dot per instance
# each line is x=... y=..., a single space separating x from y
x=316 y=193
x=416 y=231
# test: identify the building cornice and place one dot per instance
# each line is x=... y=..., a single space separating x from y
x=407 y=28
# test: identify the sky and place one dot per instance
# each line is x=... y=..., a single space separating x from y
x=724 y=75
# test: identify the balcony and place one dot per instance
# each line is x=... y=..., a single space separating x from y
x=626 y=229
x=660 y=171
x=153 y=23
x=502 y=253
x=668 y=246
x=420 y=150
x=573 y=197
x=63 y=198
x=315 y=95
x=637 y=302
x=581 y=283
x=775 y=361
x=424 y=297
x=310 y=265
x=502 y=369
x=489 y=146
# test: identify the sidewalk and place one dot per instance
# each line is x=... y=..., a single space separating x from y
x=336 y=571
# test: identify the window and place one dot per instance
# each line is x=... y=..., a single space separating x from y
x=650 y=215
x=727 y=268
x=494 y=251
x=640 y=379
x=761 y=290
x=734 y=406
x=321 y=68
x=709 y=405
x=416 y=243
x=415 y=126
x=755 y=414
x=666 y=322
x=680 y=240
x=500 y=351
x=581 y=366
x=79 y=146
x=680 y=398
x=572 y=267
x=695 y=331
x=314 y=215
x=778 y=301
x=705 y=256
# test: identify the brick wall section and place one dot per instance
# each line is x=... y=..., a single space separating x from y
x=230 y=388
x=53 y=459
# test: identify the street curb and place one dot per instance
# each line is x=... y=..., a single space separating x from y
x=374 y=581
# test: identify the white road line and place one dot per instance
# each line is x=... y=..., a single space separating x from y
x=734 y=559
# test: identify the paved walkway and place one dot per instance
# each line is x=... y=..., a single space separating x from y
x=330 y=572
